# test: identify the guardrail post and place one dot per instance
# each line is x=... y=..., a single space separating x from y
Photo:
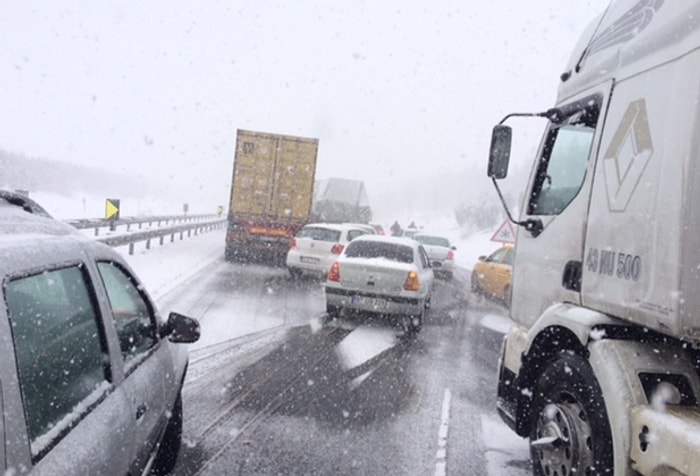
x=97 y=231
x=148 y=244
x=131 y=248
x=161 y=241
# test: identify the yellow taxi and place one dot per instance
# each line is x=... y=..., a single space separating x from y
x=492 y=274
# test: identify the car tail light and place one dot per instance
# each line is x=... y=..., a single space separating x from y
x=294 y=244
x=412 y=282
x=334 y=272
x=450 y=255
x=337 y=249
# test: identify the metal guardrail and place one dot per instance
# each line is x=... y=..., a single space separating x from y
x=128 y=222
x=160 y=233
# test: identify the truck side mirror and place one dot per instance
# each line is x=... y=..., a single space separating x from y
x=499 y=156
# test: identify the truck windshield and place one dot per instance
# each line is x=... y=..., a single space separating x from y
x=562 y=167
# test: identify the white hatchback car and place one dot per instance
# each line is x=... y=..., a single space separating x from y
x=317 y=245
x=441 y=253
x=389 y=276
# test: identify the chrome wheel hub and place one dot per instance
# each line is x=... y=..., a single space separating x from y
x=563 y=440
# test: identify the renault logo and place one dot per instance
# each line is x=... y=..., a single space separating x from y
x=627 y=156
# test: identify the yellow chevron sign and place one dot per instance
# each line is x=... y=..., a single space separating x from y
x=112 y=209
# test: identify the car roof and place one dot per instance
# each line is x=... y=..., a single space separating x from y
x=335 y=226
x=31 y=239
x=362 y=226
x=427 y=233
x=399 y=240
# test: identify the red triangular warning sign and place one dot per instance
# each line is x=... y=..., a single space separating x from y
x=505 y=233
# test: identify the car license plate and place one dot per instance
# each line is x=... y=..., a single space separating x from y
x=309 y=259
x=376 y=303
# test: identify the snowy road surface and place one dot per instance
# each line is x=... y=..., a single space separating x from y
x=271 y=390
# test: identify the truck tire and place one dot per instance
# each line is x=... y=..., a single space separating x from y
x=569 y=426
x=332 y=312
x=169 y=446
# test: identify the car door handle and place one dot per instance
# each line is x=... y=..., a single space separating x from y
x=141 y=410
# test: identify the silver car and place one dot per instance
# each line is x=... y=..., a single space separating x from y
x=441 y=253
x=389 y=276
x=90 y=378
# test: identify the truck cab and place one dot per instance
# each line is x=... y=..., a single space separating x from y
x=602 y=359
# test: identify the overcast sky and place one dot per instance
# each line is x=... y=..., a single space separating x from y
x=394 y=90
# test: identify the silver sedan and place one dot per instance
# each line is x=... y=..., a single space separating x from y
x=388 y=276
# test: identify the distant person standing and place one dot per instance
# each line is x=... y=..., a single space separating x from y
x=396 y=229
x=412 y=225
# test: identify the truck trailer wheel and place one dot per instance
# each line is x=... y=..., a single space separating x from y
x=569 y=429
x=332 y=312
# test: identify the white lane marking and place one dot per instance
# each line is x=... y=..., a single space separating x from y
x=441 y=464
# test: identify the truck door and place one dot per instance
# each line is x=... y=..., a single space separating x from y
x=253 y=174
x=549 y=259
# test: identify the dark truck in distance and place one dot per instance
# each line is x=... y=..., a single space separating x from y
x=271 y=193
x=340 y=200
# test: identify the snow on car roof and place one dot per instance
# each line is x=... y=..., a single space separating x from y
x=433 y=239
x=335 y=226
x=16 y=220
x=401 y=240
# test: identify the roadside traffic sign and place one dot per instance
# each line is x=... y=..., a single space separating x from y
x=112 y=209
x=505 y=233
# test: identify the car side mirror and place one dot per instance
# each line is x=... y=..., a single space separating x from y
x=499 y=156
x=453 y=248
x=181 y=329
x=482 y=258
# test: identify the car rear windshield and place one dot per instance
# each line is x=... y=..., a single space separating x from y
x=319 y=233
x=374 y=249
x=432 y=240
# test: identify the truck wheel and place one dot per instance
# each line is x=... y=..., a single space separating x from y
x=332 y=312
x=169 y=447
x=569 y=428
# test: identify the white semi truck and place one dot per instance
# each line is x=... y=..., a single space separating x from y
x=601 y=369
